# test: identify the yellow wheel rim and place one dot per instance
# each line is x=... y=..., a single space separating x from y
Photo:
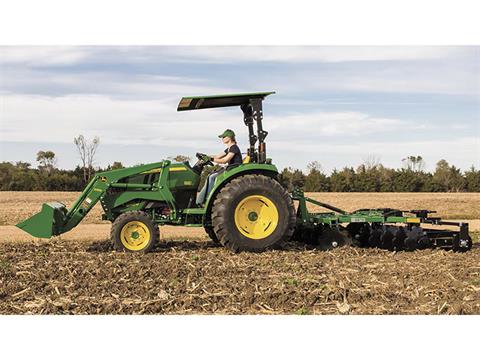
x=256 y=217
x=135 y=235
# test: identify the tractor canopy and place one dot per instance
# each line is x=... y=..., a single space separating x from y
x=251 y=106
x=214 y=101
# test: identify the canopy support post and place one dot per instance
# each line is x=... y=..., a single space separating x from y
x=262 y=134
x=252 y=138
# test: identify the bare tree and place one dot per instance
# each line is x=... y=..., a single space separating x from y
x=414 y=163
x=371 y=161
x=315 y=166
x=87 y=150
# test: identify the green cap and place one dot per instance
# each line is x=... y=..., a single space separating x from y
x=226 y=133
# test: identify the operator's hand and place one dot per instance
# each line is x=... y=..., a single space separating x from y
x=207 y=158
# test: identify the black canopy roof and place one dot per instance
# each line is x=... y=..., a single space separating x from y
x=214 y=101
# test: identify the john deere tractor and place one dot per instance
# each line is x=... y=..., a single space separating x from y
x=246 y=210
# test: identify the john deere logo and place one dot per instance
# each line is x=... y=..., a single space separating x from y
x=103 y=179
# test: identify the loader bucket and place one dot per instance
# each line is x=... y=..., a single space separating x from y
x=47 y=222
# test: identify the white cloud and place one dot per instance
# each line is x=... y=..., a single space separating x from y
x=447 y=78
x=59 y=119
x=221 y=54
x=61 y=55
x=28 y=118
x=125 y=106
x=139 y=86
x=333 y=138
x=448 y=70
x=43 y=55
x=320 y=124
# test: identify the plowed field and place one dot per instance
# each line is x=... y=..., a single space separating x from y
x=78 y=273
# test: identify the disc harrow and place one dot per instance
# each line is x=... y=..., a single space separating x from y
x=384 y=228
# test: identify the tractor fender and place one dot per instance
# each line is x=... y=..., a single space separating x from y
x=227 y=176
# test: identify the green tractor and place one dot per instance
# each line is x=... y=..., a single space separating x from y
x=246 y=210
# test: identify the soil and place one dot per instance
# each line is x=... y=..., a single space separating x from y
x=78 y=273
x=193 y=276
x=16 y=206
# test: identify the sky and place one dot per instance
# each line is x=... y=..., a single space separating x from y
x=338 y=105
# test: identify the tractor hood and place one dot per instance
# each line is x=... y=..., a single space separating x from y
x=214 y=101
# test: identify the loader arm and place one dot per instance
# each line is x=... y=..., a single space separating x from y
x=55 y=219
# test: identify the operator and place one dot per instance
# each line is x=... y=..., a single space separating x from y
x=230 y=157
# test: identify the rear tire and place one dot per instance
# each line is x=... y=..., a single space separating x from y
x=134 y=231
x=253 y=213
x=211 y=234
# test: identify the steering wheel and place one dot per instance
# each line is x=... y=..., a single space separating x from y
x=207 y=160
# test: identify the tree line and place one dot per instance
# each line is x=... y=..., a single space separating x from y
x=22 y=177
x=378 y=178
x=371 y=176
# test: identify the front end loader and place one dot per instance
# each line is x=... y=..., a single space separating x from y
x=246 y=210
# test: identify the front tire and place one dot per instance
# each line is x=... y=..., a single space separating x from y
x=134 y=231
x=253 y=213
